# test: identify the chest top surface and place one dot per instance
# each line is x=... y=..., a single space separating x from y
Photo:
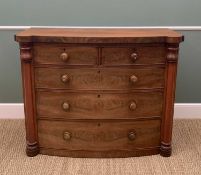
x=77 y=35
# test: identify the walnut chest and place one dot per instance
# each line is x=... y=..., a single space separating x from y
x=99 y=92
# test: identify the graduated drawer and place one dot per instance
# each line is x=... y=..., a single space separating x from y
x=99 y=135
x=139 y=55
x=64 y=55
x=105 y=78
x=95 y=105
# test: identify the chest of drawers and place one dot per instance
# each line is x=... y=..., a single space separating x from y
x=99 y=92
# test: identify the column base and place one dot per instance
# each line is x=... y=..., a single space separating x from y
x=32 y=149
x=165 y=150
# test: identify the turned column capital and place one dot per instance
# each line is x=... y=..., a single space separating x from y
x=172 y=53
x=26 y=52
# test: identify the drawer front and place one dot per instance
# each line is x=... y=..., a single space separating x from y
x=67 y=78
x=110 y=78
x=138 y=78
x=63 y=55
x=99 y=135
x=85 y=105
x=133 y=56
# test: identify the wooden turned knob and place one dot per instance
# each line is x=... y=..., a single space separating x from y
x=65 y=78
x=133 y=79
x=64 y=56
x=65 y=106
x=131 y=135
x=66 y=135
x=134 y=56
x=133 y=106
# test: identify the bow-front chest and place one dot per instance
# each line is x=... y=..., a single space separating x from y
x=99 y=92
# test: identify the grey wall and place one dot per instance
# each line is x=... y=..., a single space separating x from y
x=102 y=13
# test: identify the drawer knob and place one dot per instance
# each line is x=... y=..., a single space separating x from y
x=132 y=135
x=65 y=78
x=64 y=56
x=65 y=106
x=133 y=106
x=133 y=79
x=134 y=56
x=66 y=135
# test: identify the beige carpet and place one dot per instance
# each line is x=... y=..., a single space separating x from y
x=186 y=158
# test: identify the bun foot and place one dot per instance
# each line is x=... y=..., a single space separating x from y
x=165 y=150
x=32 y=149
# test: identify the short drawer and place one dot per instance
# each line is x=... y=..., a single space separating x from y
x=95 y=105
x=99 y=135
x=133 y=56
x=64 y=55
x=105 y=78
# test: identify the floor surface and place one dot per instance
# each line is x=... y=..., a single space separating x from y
x=185 y=159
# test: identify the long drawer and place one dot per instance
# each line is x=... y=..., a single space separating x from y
x=99 y=135
x=98 y=104
x=100 y=78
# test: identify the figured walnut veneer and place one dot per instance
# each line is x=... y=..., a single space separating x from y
x=99 y=92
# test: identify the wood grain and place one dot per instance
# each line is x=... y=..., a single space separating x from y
x=99 y=78
x=32 y=148
x=99 y=92
x=50 y=54
x=122 y=55
x=99 y=105
x=99 y=36
x=98 y=135
x=167 y=119
x=99 y=153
